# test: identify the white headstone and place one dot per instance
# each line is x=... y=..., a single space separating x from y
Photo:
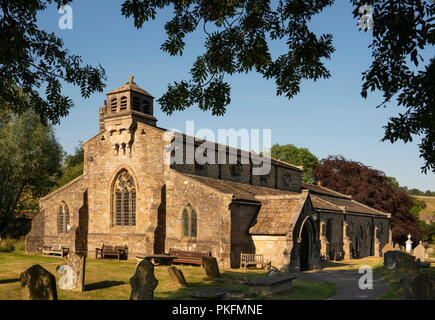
x=408 y=244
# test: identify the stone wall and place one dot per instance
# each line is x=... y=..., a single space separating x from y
x=280 y=177
x=273 y=249
x=242 y=216
x=145 y=164
x=368 y=234
x=47 y=232
x=213 y=218
x=331 y=233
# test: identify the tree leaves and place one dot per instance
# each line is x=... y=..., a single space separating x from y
x=296 y=156
x=31 y=58
x=239 y=43
x=402 y=29
x=371 y=187
x=30 y=159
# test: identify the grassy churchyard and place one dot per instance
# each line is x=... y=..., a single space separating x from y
x=109 y=280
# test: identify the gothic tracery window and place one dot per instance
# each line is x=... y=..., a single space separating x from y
x=124 y=200
x=64 y=218
x=190 y=224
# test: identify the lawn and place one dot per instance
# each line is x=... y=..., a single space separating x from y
x=109 y=280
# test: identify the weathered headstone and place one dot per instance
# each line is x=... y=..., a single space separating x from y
x=177 y=277
x=143 y=282
x=390 y=258
x=419 y=252
x=211 y=267
x=406 y=267
x=38 y=284
x=73 y=273
x=423 y=287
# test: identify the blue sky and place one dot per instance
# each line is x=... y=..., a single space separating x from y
x=328 y=117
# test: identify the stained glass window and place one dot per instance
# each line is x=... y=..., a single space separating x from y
x=185 y=223
x=67 y=220
x=193 y=224
x=125 y=200
x=61 y=219
x=189 y=222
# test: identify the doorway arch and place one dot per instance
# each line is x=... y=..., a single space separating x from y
x=306 y=246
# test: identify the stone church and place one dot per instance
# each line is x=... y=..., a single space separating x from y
x=129 y=195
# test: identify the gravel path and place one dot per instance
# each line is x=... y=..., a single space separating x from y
x=347 y=284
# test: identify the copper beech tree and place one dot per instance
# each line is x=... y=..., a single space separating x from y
x=373 y=188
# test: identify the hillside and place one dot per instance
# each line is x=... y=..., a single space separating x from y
x=429 y=211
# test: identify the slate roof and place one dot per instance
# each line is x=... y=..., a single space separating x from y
x=321 y=198
x=276 y=215
x=240 y=191
x=327 y=199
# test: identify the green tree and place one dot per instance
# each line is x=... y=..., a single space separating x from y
x=238 y=34
x=72 y=167
x=30 y=160
x=31 y=59
x=373 y=188
x=297 y=156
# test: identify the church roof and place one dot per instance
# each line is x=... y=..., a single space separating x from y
x=130 y=86
x=276 y=215
x=240 y=191
x=327 y=199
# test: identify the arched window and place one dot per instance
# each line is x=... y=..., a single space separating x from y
x=189 y=222
x=61 y=219
x=64 y=218
x=185 y=223
x=123 y=103
x=124 y=200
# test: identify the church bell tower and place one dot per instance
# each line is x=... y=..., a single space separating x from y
x=123 y=109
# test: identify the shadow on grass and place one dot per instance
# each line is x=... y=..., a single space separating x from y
x=228 y=280
x=9 y=280
x=103 y=284
x=332 y=264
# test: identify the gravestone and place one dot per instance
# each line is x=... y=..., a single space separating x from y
x=211 y=267
x=406 y=267
x=143 y=282
x=38 y=284
x=423 y=287
x=177 y=277
x=73 y=273
x=390 y=258
x=419 y=252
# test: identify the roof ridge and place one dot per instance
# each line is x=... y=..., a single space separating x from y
x=61 y=188
x=322 y=187
x=364 y=205
x=342 y=208
x=217 y=144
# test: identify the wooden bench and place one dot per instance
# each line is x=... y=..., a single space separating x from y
x=249 y=259
x=57 y=249
x=112 y=251
x=190 y=257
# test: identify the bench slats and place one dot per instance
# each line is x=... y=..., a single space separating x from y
x=191 y=257
x=247 y=259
